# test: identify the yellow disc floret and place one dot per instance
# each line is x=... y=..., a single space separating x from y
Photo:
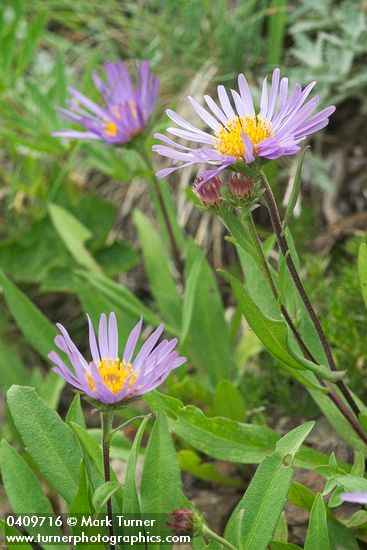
x=110 y=128
x=115 y=374
x=228 y=140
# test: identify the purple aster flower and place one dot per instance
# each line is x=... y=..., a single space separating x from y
x=238 y=132
x=107 y=377
x=357 y=497
x=126 y=110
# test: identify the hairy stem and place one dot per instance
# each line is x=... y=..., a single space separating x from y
x=283 y=245
x=106 y=422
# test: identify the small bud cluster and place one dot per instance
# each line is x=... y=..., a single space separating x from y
x=240 y=191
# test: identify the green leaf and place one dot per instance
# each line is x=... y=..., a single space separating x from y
x=301 y=496
x=240 y=234
x=124 y=300
x=39 y=332
x=290 y=443
x=75 y=412
x=277 y=30
x=161 y=485
x=92 y=455
x=296 y=184
x=117 y=257
x=12 y=368
x=82 y=503
x=362 y=270
x=283 y=546
x=74 y=235
x=281 y=530
x=91 y=451
x=358 y=467
x=341 y=537
x=208 y=338
x=47 y=439
x=338 y=421
x=24 y=491
x=49 y=387
x=103 y=493
x=222 y=438
x=352 y=483
x=254 y=520
x=228 y=401
x=191 y=462
x=131 y=503
x=191 y=283
x=317 y=537
x=34 y=33
x=162 y=284
x=11 y=531
x=274 y=336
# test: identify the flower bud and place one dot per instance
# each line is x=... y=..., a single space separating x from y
x=209 y=192
x=241 y=186
x=182 y=522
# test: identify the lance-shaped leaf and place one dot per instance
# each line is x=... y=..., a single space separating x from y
x=240 y=234
x=252 y=525
x=131 y=504
x=47 y=439
x=161 y=280
x=317 y=537
x=274 y=336
x=225 y=439
x=25 y=492
x=74 y=235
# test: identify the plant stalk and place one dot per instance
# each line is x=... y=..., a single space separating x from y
x=206 y=532
x=303 y=347
x=106 y=423
x=176 y=255
x=283 y=245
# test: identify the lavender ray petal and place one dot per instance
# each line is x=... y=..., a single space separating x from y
x=215 y=109
x=132 y=341
x=102 y=337
x=246 y=95
x=204 y=115
x=225 y=103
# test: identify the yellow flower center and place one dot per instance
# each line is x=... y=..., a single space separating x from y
x=228 y=140
x=110 y=128
x=115 y=374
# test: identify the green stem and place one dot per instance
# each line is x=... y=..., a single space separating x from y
x=106 y=423
x=206 y=532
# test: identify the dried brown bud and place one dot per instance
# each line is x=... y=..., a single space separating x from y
x=209 y=192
